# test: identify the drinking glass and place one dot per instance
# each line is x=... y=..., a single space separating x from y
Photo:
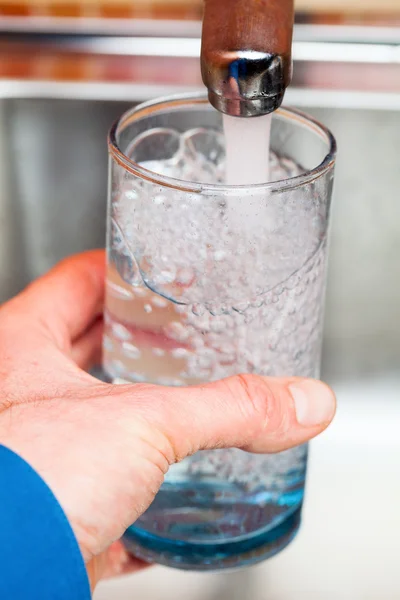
x=207 y=280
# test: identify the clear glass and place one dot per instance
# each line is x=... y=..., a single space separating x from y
x=205 y=281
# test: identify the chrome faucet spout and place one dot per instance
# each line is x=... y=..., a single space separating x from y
x=246 y=59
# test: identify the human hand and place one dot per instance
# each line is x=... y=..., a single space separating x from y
x=104 y=449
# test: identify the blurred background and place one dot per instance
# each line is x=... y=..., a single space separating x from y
x=68 y=69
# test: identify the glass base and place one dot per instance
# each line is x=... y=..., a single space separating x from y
x=212 y=557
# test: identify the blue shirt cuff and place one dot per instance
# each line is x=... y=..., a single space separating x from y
x=39 y=556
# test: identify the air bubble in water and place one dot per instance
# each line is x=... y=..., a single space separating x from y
x=176 y=331
x=198 y=310
x=216 y=311
x=159 y=352
x=107 y=344
x=140 y=292
x=131 y=351
x=217 y=325
x=159 y=302
x=170 y=381
x=117 y=367
x=120 y=331
x=241 y=307
x=165 y=276
x=118 y=291
x=292 y=282
x=131 y=195
x=180 y=309
x=219 y=255
x=185 y=276
x=180 y=353
x=206 y=358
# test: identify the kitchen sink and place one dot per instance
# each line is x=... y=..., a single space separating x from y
x=53 y=173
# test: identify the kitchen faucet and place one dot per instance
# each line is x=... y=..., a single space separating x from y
x=246 y=59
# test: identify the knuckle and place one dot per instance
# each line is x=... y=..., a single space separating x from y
x=256 y=395
x=266 y=404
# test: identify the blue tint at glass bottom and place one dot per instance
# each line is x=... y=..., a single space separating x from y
x=202 y=557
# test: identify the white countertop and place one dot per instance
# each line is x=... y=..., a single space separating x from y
x=349 y=544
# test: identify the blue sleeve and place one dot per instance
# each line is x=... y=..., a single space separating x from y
x=39 y=555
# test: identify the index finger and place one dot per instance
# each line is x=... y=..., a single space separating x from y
x=68 y=298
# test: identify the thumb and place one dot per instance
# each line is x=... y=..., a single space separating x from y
x=258 y=414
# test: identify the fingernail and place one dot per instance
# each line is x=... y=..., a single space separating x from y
x=314 y=402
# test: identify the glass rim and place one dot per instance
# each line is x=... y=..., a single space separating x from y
x=147 y=108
